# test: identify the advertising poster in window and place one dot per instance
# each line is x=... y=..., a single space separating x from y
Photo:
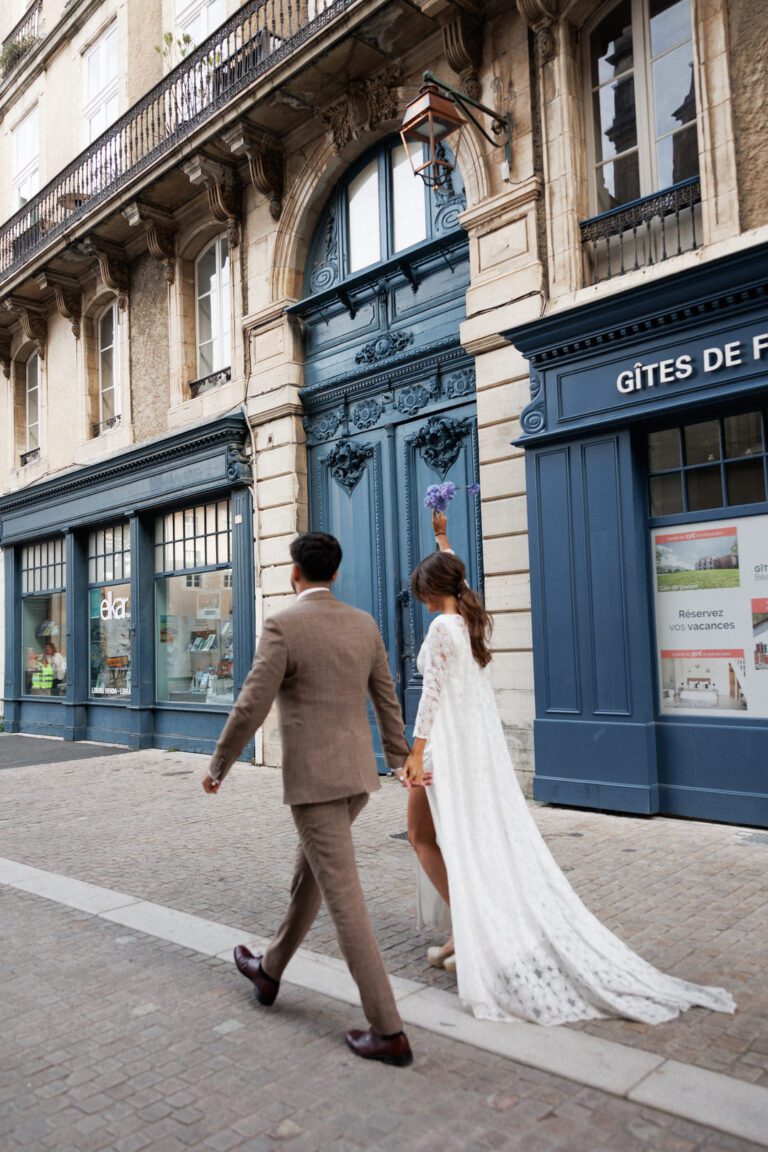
x=711 y=586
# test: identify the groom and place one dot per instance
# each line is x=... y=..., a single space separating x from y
x=320 y=659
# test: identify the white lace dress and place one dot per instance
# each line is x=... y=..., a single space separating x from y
x=526 y=947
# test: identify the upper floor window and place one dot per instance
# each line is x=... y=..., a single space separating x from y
x=32 y=404
x=101 y=83
x=26 y=159
x=200 y=18
x=380 y=210
x=109 y=368
x=213 y=308
x=643 y=100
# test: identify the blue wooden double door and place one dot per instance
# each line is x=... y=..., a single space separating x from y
x=367 y=488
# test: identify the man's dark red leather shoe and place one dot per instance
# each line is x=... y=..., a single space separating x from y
x=265 y=989
x=389 y=1049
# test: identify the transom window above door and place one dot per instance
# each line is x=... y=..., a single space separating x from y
x=377 y=212
x=642 y=100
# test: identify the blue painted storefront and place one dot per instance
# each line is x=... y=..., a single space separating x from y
x=603 y=377
x=134 y=488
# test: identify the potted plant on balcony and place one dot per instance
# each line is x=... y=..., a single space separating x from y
x=12 y=52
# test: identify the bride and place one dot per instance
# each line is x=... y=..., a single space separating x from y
x=525 y=945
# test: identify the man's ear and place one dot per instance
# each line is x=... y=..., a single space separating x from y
x=334 y=575
x=295 y=574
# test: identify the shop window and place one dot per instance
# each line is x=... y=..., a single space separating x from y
x=193 y=606
x=26 y=160
x=109 y=612
x=44 y=618
x=708 y=465
x=109 y=369
x=214 y=352
x=643 y=100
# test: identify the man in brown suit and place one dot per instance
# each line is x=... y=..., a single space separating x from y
x=321 y=659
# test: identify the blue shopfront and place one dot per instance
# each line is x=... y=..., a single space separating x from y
x=647 y=474
x=129 y=608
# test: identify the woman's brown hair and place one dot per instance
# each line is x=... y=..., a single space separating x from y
x=443 y=574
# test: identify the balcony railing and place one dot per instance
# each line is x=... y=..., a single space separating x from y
x=21 y=39
x=28 y=457
x=642 y=233
x=105 y=425
x=257 y=37
x=208 y=383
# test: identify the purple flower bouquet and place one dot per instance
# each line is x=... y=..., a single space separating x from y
x=439 y=496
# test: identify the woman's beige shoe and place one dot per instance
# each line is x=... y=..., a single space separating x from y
x=439 y=957
x=449 y=964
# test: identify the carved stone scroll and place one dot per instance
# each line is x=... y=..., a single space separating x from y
x=160 y=228
x=113 y=267
x=67 y=293
x=541 y=17
x=266 y=161
x=5 y=354
x=367 y=103
x=33 y=320
x=463 y=43
x=220 y=182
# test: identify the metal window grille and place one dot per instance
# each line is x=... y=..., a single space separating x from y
x=44 y=566
x=193 y=538
x=109 y=554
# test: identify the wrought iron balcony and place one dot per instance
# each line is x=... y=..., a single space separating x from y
x=252 y=41
x=21 y=39
x=28 y=457
x=643 y=232
x=208 y=383
x=105 y=425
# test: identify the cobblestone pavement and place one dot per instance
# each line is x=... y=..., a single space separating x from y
x=18 y=750
x=690 y=897
x=115 y=1041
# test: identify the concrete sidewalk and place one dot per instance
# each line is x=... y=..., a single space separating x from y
x=690 y=897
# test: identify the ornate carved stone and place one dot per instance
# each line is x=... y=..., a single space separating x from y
x=113 y=267
x=439 y=441
x=534 y=416
x=160 y=228
x=67 y=293
x=324 y=426
x=33 y=320
x=383 y=347
x=239 y=468
x=460 y=383
x=366 y=414
x=348 y=461
x=5 y=354
x=220 y=182
x=463 y=43
x=266 y=161
x=541 y=17
x=366 y=104
x=412 y=399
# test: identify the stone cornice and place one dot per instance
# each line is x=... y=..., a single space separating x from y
x=398 y=369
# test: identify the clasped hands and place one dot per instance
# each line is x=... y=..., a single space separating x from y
x=413 y=774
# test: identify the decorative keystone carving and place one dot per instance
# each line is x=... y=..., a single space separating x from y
x=220 y=181
x=238 y=463
x=266 y=161
x=439 y=441
x=67 y=293
x=348 y=462
x=160 y=228
x=33 y=320
x=5 y=354
x=463 y=43
x=366 y=104
x=113 y=267
x=541 y=17
x=389 y=344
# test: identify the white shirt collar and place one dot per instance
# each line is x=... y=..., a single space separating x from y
x=309 y=591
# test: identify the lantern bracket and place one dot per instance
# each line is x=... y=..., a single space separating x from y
x=501 y=125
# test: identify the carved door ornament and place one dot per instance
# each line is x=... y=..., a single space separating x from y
x=348 y=461
x=439 y=441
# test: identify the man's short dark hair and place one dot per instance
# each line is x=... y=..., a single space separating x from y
x=317 y=555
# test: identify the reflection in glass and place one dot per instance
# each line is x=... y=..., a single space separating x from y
x=705 y=489
x=363 y=206
x=673 y=90
x=44 y=644
x=746 y=482
x=678 y=157
x=615 y=119
x=610 y=45
x=109 y=610
x=408 y=203
x=666 y=495
x=670 y=23
x=618 y=182
x=743 y=434
x=194 y=639
x=702 y=442
x=664 y=450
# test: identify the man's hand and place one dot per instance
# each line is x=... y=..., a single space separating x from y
x=210 y=785
x=414 y=775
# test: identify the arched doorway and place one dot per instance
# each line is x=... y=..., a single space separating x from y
x=389 y=392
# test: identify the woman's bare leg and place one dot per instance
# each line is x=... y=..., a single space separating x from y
x=421 y=833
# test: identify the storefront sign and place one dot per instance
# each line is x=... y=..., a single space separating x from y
x=711 y=584
x=712 y=359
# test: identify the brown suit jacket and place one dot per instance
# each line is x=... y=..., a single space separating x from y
x=320 y=659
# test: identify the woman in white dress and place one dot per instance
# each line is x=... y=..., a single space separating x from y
x=525 y=945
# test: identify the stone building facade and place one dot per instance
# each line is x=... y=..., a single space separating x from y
x=226 y=316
